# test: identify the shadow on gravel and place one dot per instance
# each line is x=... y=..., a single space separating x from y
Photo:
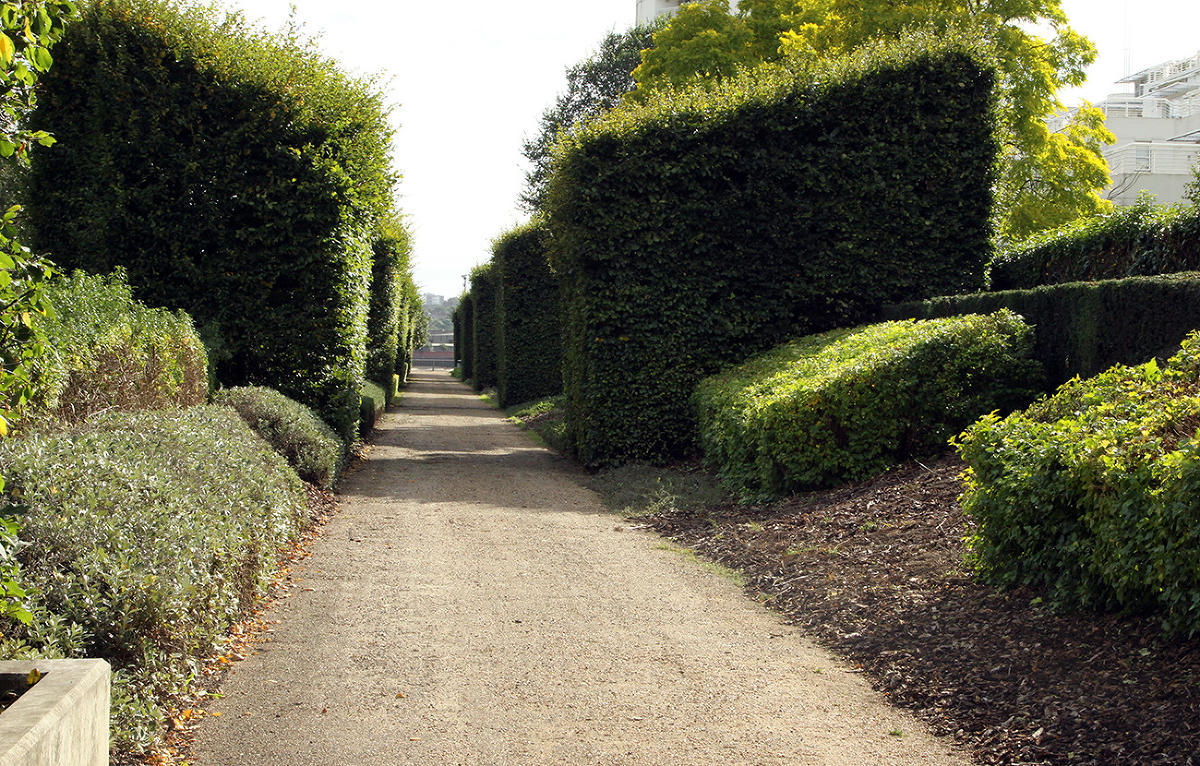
x=874 y=571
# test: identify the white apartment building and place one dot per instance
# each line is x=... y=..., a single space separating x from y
x=649 y=10
x=1157 y=125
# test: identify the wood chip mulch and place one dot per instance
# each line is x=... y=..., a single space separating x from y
x=876 y=572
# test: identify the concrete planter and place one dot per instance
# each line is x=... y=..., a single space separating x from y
x=62 y=720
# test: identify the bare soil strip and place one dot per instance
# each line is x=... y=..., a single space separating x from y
x=875 y=572
x=473 y=603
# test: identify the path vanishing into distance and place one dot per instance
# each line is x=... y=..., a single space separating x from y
x=473 y=603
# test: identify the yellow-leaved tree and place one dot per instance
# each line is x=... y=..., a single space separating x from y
x=1046 y=177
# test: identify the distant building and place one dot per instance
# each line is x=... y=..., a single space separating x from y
x=1157 y=125
x=649 y=10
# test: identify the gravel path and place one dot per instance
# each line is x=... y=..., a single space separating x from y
x=472 y=603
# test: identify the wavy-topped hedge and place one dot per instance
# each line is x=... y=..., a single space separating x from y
x=1092 y=493
x=236 y=174
x=716 y=222
x=849 y=403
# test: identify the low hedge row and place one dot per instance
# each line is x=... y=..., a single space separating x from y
x=1138 y=240
x=845 y=404
x=148 y=533
x=715 y=222
x=374 y=402
x=485 y=286
x=530 y=322
x=1092 y=493
x=108 y=351
x=1083 y=328
x=308 y=444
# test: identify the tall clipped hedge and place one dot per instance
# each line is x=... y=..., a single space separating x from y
x=1139 y=240
x=386 y=324
x=235 y=174
x=485 y=285
x=710 y=224
x=1083 y=328
x=530 y=364
x=456 y=320
x=467 y=309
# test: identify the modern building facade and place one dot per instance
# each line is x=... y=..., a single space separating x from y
x=649 y=10
x=1157 y=124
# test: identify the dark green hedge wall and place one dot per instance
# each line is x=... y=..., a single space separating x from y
x=1139 y=240
x=467 y=309
x=456 y=319
x=485 y=285
x=711 y=224
x=1083 y=328
x=530 y=316
x=234 y=174
x=387 y=323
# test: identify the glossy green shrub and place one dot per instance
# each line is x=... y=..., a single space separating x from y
x=108 y=351
x=457 y=319
x=530 y=364
x=1094 y=492
x=1139 y=240
x=1083 y=328
x=850 y=403
x=236 y=174
x=387 y=323
x=293 y=430
x=713 y=223
x=152 y=532
x=485 y=285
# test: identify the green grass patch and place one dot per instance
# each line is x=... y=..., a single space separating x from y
x=545 y=419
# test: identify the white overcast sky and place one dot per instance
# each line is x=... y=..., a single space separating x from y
x=470 y=78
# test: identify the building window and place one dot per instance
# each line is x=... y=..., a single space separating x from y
x=1141 y=159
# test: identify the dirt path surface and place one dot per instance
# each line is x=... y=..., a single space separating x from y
x=474 y=604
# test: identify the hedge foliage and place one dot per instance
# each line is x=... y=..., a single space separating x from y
x=457 y=320
x=149 y=534
x=108 y=351
x=485 y=358
x=467 y=352
x=849 y=403
x=1084 y=328
x=310 y=446
x=713 y=223
x=236 y=174
x=530 y=337
x=387 y=323
x=1092 y=493
x=374 y=401
x=1138 y=240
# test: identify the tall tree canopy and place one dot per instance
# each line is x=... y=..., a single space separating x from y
x=594 y=86
x=1046 y=178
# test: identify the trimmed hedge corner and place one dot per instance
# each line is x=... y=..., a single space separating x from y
x=466 y=308
x=236 y=174
x=1092 y=493
x=149 y=534
x=850 y=403
x=716 y=222
x=1084 y=328
x=303 y=439
x=530 y=364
